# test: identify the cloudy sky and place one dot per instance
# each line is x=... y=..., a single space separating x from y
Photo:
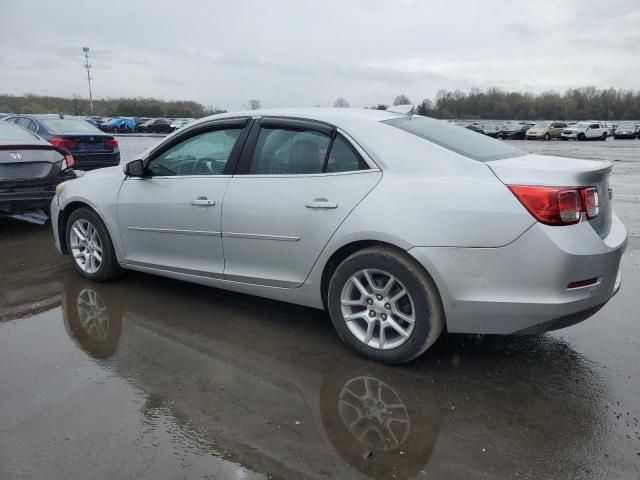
x=309 y=52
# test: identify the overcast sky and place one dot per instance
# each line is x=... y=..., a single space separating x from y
x=304 y=52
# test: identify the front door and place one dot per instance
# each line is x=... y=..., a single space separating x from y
x=295 y=185
x=170 y=219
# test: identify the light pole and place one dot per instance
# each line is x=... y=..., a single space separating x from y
x=88 y=67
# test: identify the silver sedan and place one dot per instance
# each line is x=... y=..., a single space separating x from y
x=399 y=225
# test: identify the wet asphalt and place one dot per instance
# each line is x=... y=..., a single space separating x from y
x=148 y=377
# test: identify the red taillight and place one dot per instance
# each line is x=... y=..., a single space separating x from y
x=63 y=142
x=583 y=283
x=69 y=160
x=111 y=143
x=558 y=205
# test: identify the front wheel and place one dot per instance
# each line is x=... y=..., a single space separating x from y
x=90 y=246
x=384 y=305
x=547 y=137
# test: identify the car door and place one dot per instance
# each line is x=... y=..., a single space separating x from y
x=170 y=218
x=556 y=129
x=296 y=182
x=594 y=131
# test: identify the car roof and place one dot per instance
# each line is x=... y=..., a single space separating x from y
x=334 y=116
x=25 y=137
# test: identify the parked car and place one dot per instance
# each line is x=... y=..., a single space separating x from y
x=586 y=131
x=156 y=125
x=90 y=147
x=119 y=125
x=30 y=170
x=493 y=131
x=626 y=130
x=181 y=122
x=516 y=131
x=472 y=208
x=545 y=131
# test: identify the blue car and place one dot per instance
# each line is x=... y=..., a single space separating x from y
x=90 y=147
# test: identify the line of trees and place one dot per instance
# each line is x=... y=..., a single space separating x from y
x=574 y=104
x=112 y=107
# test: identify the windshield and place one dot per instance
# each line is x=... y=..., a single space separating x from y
x=581 y=125
x=542 y=125
x=626 y=125
x=63 y=125
x=457 y=139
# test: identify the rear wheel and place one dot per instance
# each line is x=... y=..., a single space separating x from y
x=90 y=246
x=604 y=136
x=384 y=305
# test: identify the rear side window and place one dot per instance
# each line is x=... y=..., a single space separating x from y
x=457 y=139
x=62 y=125
x=344 y=158
x=280 y=152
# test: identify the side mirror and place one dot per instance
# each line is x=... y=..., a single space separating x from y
x=134 y=168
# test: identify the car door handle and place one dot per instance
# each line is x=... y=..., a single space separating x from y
x=321 y=203
x=203 y=202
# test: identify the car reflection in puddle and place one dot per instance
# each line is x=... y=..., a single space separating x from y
x=269 y=387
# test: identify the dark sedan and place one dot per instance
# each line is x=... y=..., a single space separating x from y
x=30 y=170
x=90 y=147
x=157 y=125
x=626 y=130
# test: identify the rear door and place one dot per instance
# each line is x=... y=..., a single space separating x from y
x=297 y=181
x=171 y=218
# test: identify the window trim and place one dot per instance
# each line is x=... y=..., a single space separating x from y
x=241 y=123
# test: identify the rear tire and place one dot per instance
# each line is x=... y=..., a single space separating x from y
x=418 y=313
x=90 y=246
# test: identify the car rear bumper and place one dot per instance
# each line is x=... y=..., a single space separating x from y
x=22 y=201
x=522 y=287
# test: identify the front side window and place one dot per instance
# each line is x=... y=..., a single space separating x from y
x=281 y=152
x=203 y=154
x=457 y=139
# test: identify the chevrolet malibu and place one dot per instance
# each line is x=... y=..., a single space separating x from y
x=399 y=225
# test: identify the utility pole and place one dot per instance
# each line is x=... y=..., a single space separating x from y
x=88 y=67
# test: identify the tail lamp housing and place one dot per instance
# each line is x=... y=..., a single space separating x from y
x=558 y=205
x=61 y=142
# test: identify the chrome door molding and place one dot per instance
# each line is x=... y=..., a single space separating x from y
x=259 y=236
x=175 y=230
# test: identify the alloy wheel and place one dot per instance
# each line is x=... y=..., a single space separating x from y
x=86 y=246
x=378 y=309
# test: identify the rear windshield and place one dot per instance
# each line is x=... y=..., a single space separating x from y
x=457 y=139
x=12 y=133
x=63 y=125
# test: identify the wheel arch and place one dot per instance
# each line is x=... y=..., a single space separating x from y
x=63 y=217
x=344 y=251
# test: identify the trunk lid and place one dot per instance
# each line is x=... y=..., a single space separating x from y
x=546 y=170
x=29 y=163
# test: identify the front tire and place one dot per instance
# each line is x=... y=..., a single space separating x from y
x=547 y=137
x=90 y=246
x=384 y=306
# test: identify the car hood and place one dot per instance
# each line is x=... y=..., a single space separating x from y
x=116 y=171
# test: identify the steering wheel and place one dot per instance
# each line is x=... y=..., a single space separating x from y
x=204 y=166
